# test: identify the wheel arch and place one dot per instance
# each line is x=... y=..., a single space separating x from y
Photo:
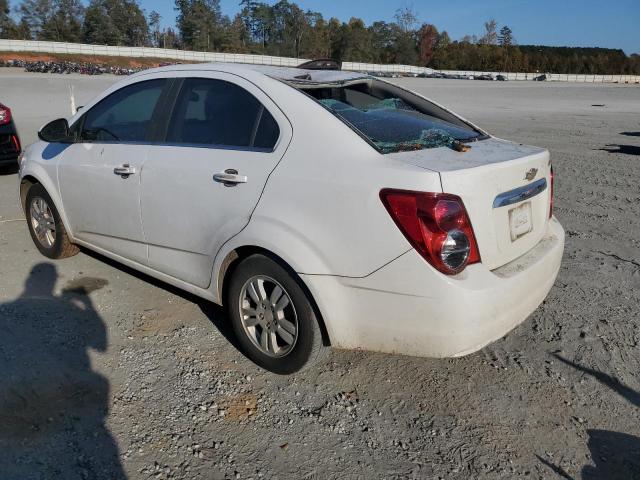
x=238 y=254
x=27 y=181
x=25 y=184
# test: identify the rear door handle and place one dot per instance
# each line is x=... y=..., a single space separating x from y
x=230 y=178
x=124 y=170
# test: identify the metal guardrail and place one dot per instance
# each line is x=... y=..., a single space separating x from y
x=185 y=55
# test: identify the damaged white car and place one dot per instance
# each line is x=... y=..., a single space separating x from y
x=322 y=208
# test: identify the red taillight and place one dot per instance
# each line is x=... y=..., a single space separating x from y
x=16 y=143
x=551 y=194
x=5 y=114
x=436 y=225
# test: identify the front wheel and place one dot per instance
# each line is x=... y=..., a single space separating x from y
x=45 y=226
x=272 y=317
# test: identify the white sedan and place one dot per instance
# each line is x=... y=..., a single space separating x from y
x=322 y=208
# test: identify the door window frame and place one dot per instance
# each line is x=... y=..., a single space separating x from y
x=156 y=116
x=171 y=106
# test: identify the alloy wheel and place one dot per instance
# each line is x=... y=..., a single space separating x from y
x=268 y=316
x=42 y=222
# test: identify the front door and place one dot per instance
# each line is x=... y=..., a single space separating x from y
x=199 y=189
x=100 y=176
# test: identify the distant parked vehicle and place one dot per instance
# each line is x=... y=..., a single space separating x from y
x=540 y=78
x=484 y=77
x=9 y=142
x=501 y=78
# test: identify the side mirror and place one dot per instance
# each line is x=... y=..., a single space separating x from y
x=56 y=131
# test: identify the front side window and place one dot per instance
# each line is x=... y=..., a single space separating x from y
x=219 y=113
x=124 y=116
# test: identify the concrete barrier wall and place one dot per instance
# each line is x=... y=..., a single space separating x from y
x=184 y=55
x=138 y=52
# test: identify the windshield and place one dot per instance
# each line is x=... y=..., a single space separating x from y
x=391 y=123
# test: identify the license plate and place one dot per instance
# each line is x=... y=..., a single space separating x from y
x=520 y=221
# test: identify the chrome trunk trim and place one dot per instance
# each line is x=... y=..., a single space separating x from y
x=520 y=194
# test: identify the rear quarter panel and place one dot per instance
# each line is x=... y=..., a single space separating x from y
x=320 y=210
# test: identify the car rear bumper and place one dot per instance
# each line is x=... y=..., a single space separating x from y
x=407 y=307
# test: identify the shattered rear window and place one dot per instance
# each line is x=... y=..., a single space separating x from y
x=393 y=125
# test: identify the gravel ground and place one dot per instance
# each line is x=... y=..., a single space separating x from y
x=108 y=374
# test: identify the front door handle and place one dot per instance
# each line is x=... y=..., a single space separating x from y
x=230 y=178
x=124 y=170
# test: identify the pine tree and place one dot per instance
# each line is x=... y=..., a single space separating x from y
x=199 y=24
x=8 y=28
x=115 y=22
x=36 y=14
x=505 y=39
x=154 y=28
x=65 y=22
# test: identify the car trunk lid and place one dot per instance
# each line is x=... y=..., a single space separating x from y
x=504 y=187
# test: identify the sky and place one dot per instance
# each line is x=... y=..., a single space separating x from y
x=574 y=23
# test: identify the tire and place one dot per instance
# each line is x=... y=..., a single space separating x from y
x=40 y=210
x=287 y=356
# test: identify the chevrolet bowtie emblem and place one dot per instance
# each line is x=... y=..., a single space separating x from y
x=531 y=174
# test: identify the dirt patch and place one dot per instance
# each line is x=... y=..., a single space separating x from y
x=239 y=407
x=84 y=285
x=163 y=321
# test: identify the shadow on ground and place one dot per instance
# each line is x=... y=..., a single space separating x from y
x=624 y=149
x=53 y=406
x=616 y=456
x=215 y=313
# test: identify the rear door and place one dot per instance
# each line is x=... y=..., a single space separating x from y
x=99 y=177
x=224 y=137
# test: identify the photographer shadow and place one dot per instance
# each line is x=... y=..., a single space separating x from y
x=615 y=455
x=53 y=406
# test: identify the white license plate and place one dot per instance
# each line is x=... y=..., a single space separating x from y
x=520 y=221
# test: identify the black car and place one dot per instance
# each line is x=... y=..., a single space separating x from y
x=9 y=142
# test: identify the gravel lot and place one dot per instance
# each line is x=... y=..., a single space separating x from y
x=108 y=374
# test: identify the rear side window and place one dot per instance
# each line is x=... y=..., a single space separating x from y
x=125 y=115
x=219 y=113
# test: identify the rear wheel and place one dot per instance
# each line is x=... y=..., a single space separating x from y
x=273 y=319
x=45 y=226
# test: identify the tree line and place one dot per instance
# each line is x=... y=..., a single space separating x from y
x=284 y=29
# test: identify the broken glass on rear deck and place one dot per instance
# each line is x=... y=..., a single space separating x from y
x=392 y=125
